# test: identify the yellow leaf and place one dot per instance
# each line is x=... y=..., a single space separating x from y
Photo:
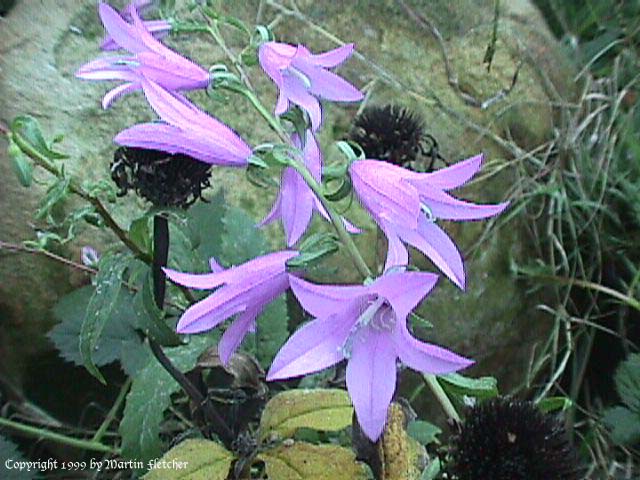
x=304 y=461
x=193 y=459
x=319 y=409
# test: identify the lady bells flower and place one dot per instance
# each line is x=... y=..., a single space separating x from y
x=244 y=290
x=186 y=129
x=157 y=28
x=296 y=202
x=368 y=326
x=149 y=58
x=302 y=77
x=405 y=205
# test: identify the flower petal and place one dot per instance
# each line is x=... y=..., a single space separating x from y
x=452 y=176
x=438 y=247
x=324 y=300
x=122 y=33
x=326 y=84
x=334 y=57
x=296 y=205
x=404 y=290
x=173 y=73
x=273 y=214
x=297 y=93
x=371 y=379
x=446 y=207
x=425 y=357
x=315 y=346
x=397 y=254
x=233 y=335
x=109 y=68
x=115 y=93
x=211 y=312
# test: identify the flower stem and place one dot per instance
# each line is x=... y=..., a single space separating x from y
x=441 y=396
x=345 y=238
x=90 y=445
x=113 y=411
x=76 y=189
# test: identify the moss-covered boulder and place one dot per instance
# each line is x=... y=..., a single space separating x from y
x=400 y=60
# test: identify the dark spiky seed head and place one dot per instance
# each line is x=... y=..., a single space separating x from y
x=389 y=133
x=163 y=179
x=504 y=439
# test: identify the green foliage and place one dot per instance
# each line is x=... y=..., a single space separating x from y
x=552 y=404
x=100 y=306
x=242 y=241
x=432 y=470
x=318 y=409
x=9 y=453
x=26 y=130
x=150 y=319
x=20 y=164
x=150 y=396
x=202 y=459
x=459 y=386
x=271 y=332
x=119 y=340
x=423 y=432
x=624 y=421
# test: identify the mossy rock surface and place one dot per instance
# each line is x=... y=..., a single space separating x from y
x=494 y=321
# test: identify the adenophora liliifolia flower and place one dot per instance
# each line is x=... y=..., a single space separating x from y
x=186 y=129
x=405 y=205
x=302 y=77
x=296 y=201
x=244 y=290
x=367 y=325
x=157 y=28
x=150 y=58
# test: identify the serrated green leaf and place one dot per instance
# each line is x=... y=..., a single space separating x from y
x=198 y=459
x=456 y=384
x=29 y=131
x=271 y=331
x=627 y=379
x=9 y=456
x=242 y=241
x=100 y=307
x=20 y=164
x=624 y=425
x=304 y=461
x=318 y=409
x=150 y=319
x=423 y=432
x=551 y=404
x=150 y=396
x=119 y=340
x=55 y=193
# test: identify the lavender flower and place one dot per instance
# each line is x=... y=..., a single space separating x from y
x=302 y=77
x=150 y=59
x=366 y=325
x=187 y=130
x=296 y=202
x=157 y=28
x=405 y=205
x=244 y=290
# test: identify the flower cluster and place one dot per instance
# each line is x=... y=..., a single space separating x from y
x=367 y=325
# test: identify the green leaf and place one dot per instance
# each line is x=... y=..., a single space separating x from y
x=318 y=409
x=624 y=425
x=551 y=404
x=456 y=384
x=423 y=432
x=140 y=233
x=207 y=227
x=194 y=459
x=432 y=470
x=100 y=307
x=150 y=319
x=9 y=456
x=627 y=379
x=304 y=461
x=150 y=396
x=20 y=164
x=55 y=194
x=242 y=241
x=271 y=332
x=119 y=340
x=28 y=129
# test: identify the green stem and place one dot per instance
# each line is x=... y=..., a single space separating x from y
x=76 y=189
x=58 y=438
x=441 y=396
x=273 y=121
x=113 y=412
x=345 y=238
